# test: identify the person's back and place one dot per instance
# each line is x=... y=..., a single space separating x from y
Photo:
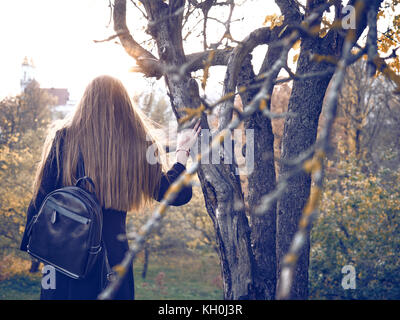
x=112 y=140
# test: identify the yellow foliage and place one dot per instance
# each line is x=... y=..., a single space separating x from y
x=273 y=21
x=20 y=150
x=358 y=225
x=11 y=265
x=192 y=113
x=207 y=65
x=296 y=45
x=313 y=201
x=296 y=57
x=120 y=270
x=263 y=104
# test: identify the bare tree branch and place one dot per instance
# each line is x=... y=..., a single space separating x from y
x=255 y=38
x=290 y=9
x=146 y=61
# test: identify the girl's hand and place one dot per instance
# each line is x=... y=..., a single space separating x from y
x=185 y=141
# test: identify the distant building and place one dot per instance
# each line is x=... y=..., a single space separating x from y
x=63 y=103
x=61 y=95
x=28 y=73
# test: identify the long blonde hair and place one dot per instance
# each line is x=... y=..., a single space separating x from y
x=113 y=138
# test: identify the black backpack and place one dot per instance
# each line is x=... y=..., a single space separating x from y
x=66 y=233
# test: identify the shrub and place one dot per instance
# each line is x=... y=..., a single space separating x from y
x=358 y=225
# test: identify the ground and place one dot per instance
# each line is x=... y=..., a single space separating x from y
x=169 y=277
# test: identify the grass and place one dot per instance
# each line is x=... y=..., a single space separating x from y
x=179 y=277
x=20 y=287
x=169 y=277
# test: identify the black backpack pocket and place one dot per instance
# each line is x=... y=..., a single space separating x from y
x=66 y=233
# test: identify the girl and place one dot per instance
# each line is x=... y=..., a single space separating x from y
x=113 y=142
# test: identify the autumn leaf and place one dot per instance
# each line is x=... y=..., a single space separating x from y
x=273 y=21
x=295 y=57
x=296 y=45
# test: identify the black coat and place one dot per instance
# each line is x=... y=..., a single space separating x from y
x=113 y=225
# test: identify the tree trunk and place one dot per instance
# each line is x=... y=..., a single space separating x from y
x=220 y=186
x=34 y=266
x=261 y=181
x=299 y=135
x=145 y=262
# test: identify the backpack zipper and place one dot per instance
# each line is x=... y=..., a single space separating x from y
x=72 y=215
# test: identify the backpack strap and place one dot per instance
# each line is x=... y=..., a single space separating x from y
x=85 y=179
x=80 y=170
x=107 y=272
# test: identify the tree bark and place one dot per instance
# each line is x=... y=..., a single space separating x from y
x=261 y=181
x=220 y=186
x=299 y=135
x=145 y=261
x=34 y=266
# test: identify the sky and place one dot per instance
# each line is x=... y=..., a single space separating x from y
x=58 y=36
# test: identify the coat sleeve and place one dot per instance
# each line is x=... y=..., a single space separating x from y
x=50 y=182
x=184 y=195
